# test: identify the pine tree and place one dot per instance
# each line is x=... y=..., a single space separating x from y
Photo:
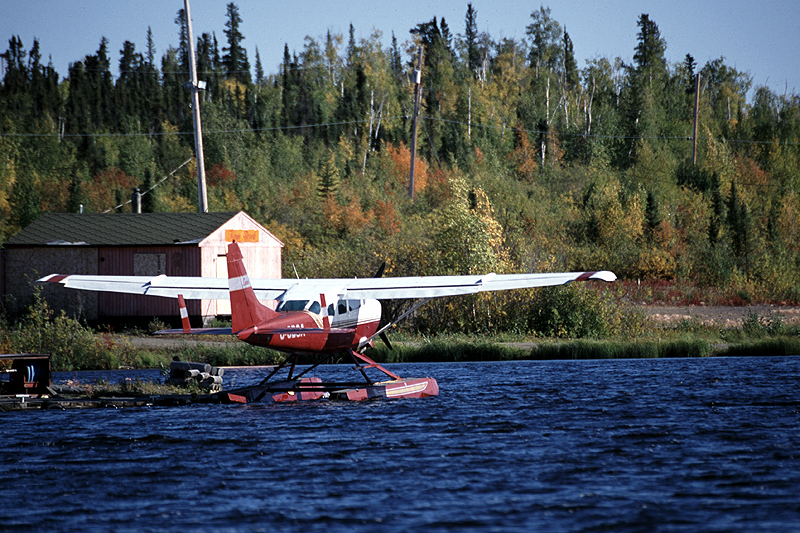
x=150 y=201
x=689 y=65
x=351 y=46
x=259 y=69
x=396 y=60
x=126 y=91
x=330 y=177
x=151 y=47
x=77 y=198
x=183 y=43
x=99 y=89
x=570 y=74
x=152 y=95
x=14 y=98
x=652 y=213
x=649 y=53
x=235 y=59
x=471 y=40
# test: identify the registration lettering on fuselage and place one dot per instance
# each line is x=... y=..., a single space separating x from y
x=292 y=335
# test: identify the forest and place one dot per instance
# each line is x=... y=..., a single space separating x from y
x=525 y=161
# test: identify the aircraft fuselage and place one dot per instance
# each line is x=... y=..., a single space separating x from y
x=334 y=328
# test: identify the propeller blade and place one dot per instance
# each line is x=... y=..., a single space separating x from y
x=385 y=340
x=379 y=273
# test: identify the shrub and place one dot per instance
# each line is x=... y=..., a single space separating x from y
x=72 y=345
x=574 y=311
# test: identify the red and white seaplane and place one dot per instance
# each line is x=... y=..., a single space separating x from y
x=322 y=318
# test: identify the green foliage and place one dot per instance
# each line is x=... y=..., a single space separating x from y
x=766 y=347
x=573 y=311
x=619 y=350
x=238 y=354
x=72 y=345
x=757 y=326
x=525 y=162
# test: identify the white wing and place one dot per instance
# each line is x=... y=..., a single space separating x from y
x=358 y=288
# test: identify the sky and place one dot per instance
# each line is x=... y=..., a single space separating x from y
x=758 y=38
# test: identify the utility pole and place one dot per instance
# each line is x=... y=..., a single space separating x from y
x=694 y=128
x=417 y=96
x=196 y=87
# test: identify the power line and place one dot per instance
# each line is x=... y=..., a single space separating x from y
x=405 y=117
x=151 y=188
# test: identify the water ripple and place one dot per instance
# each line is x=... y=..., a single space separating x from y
x=569 y=446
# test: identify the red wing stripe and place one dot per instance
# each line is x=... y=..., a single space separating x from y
x=585 y=276
x=326 y=320
x=184 y=314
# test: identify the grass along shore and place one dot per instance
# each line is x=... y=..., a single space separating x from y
x=77 y=347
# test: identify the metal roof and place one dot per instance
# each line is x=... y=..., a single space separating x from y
x=120 y=229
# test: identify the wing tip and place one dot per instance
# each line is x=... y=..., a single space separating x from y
x=604 y=275
x=52 y=278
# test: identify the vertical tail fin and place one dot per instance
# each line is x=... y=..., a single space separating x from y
x=187 y=328
x=246 y=310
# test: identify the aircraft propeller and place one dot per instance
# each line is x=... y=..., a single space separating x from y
x=382 y=334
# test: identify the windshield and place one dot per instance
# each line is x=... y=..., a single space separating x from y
x=300 y=305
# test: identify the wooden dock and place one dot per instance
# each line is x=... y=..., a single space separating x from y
x=24 y=402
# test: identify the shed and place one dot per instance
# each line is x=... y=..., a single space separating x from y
x=132 y=244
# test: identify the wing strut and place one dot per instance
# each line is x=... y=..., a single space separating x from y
x=382 y=332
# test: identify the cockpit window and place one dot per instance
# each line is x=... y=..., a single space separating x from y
x=300 y=305
x=354 y=304
x=293 y=305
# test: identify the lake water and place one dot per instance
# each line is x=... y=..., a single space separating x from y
x=636 y=445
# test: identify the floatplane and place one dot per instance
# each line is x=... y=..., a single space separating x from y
x=320 y=318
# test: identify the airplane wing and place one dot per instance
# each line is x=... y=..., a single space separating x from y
x=345 y=288
x=192 y=288
x=438 y=286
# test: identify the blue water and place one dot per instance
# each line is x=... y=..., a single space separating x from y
x=642 y=445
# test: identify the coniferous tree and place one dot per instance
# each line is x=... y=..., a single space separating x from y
x=150 y=203
x=77 y=197
x=15 y=82
x=235 y=58
x=644 y=95
x=151 y=47
x=396 y=60
x=36 y=80
x=648 y=56
x=689 y=65
x=652 y=213
x=127 y=90
x=632 y=123
x=183 y=43
x=351 y=46
x=152 y=96
x=259 y=69
x=175 y=97
x=471 y=40
x=99 y=87
x=570 y=74
x=438 y=83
